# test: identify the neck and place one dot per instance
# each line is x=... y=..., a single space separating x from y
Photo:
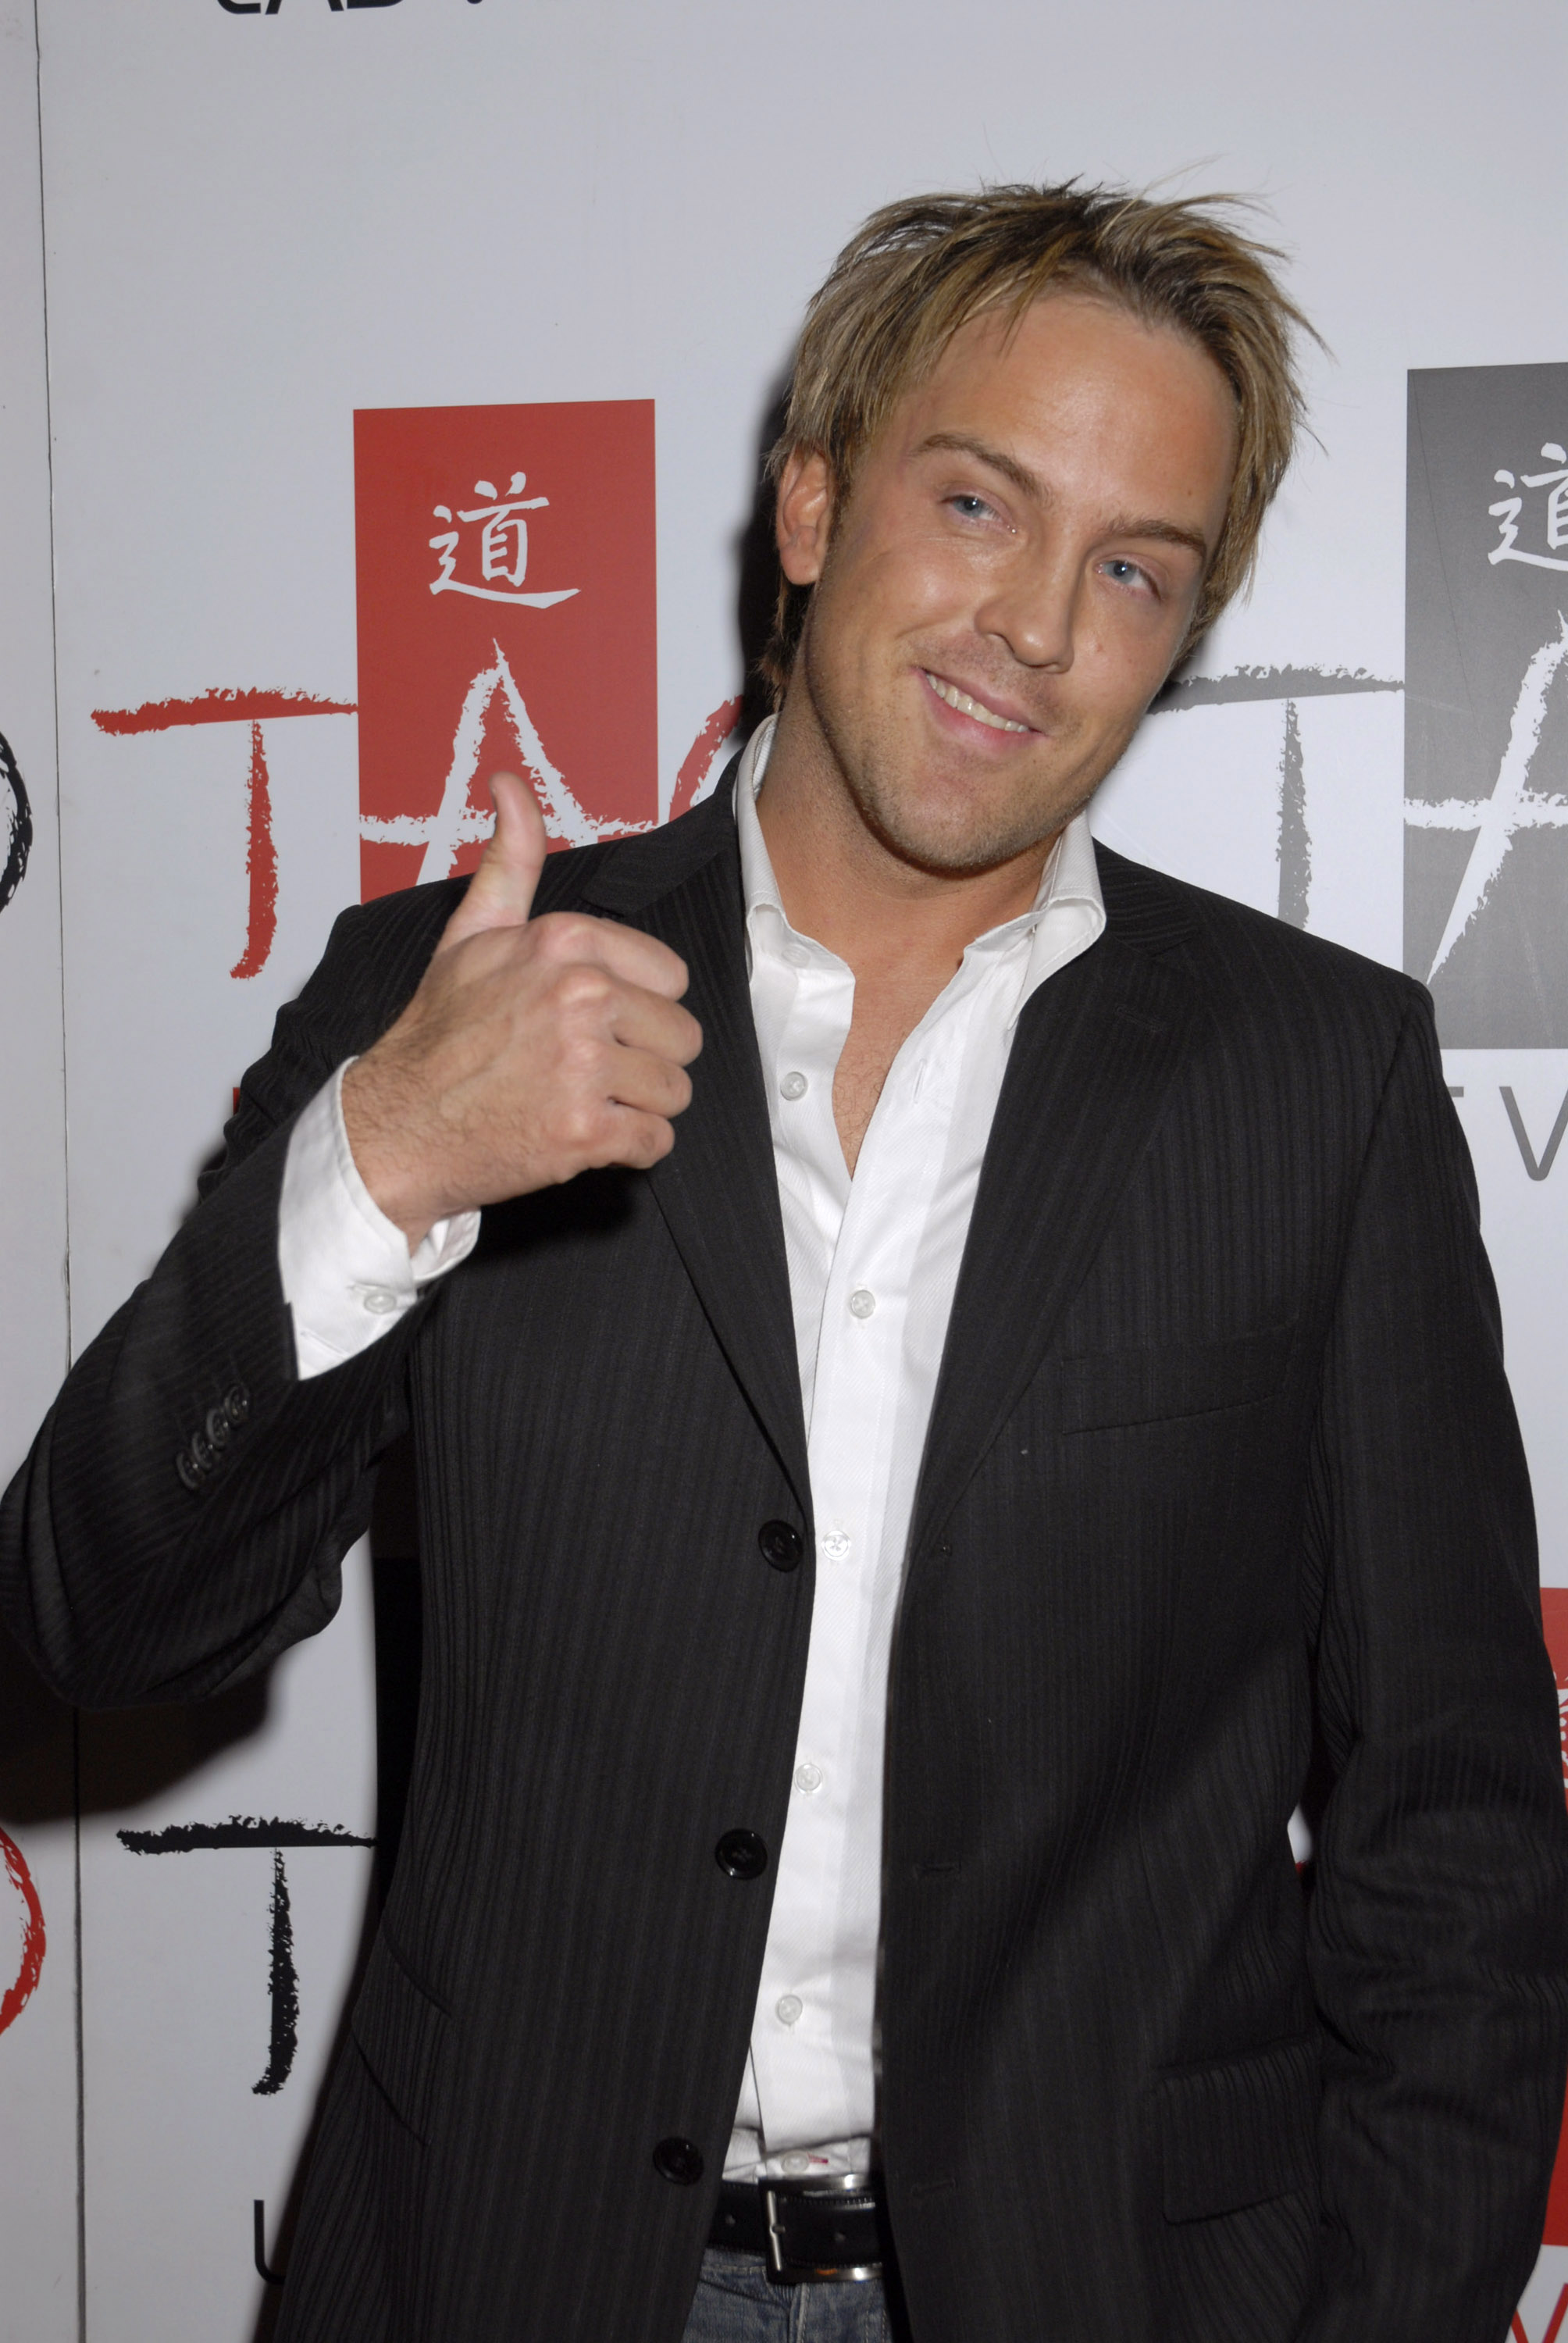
x=845 y=886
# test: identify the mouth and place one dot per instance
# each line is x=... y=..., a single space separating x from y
x=967 y=705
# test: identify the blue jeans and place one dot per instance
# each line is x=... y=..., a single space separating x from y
x=738 y=2302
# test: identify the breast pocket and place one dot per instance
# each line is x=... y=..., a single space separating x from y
x=1103 y=1389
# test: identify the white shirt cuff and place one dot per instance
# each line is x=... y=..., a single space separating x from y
x=347 y=1271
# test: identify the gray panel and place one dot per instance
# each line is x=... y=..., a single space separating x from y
x=1486 y=713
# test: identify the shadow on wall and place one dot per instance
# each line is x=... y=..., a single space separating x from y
x=757 y=570
x=129 y=1756
x=394 y=1563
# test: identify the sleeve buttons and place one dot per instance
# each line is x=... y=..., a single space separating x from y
x=781 y=1545
x=200 y=1456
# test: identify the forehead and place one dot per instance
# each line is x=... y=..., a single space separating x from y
x=1078 y=379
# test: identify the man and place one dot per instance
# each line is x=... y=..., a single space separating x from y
x=1067 y=1270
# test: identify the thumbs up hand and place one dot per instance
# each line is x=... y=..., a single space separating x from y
x=532 y=1050
x=502 y=890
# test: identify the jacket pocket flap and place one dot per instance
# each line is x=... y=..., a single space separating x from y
x=400 y=2033
x=1104 y=1388
x=1240 y=2130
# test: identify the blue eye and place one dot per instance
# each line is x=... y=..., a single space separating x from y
x=972 y=507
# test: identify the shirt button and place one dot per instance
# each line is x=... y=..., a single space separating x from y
x=788 y=2008
x=808 y=1777
x=794 y=1086
x=835 y=1544
x=795 y=2162
x=862 y=1302
x=379 y=1299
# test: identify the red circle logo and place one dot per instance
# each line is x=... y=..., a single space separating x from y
x=19 y=1992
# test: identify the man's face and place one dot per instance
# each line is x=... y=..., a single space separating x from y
x=1011 y=579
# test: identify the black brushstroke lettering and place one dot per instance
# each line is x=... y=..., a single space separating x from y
x=258 y=2234
x=240 y=1830
x=1295 y=845
x=282 y=1988
x=1537 y=1170
x=1267 y=683
x=18 y=823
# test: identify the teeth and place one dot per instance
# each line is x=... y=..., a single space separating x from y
x=968 y=707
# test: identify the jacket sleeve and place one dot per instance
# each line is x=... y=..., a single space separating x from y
x=184 y=1509
x=1439 y=1920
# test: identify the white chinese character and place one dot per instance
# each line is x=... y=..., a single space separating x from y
x=503 y=546
x=1506 y=512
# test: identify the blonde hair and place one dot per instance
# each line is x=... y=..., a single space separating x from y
x=918 y=270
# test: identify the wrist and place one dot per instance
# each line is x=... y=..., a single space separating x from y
x=375 y=1133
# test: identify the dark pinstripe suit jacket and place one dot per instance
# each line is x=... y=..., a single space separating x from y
x=1222 y=1449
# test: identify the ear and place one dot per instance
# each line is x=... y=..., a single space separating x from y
x=803 y=516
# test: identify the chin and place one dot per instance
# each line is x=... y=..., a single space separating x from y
x=957 y=850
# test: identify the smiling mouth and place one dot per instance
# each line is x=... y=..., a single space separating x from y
x=968 y=707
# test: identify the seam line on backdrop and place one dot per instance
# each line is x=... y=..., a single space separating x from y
x=81 y=2060
x=66 y=1165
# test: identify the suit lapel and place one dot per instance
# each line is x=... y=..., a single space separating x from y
x=1098 y=1050
x=717 y=1188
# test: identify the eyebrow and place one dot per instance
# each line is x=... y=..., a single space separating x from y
x=1031 y=484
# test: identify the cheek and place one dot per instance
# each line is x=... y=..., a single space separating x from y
x=912 y=585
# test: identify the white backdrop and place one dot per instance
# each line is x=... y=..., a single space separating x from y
x=256 y=222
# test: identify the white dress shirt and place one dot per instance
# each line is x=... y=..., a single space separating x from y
x=873 y=1262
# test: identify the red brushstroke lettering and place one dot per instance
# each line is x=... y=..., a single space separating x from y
x=699 y=760
x=216 y=708
x=261 y=864
x=221 y=707
x=17 y=1995
x=1555 y=2328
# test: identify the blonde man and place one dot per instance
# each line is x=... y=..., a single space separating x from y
x=903 y=1489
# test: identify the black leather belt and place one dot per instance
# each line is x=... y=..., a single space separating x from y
x=807 y=2230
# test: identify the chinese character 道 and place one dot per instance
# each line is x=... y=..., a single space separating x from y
x=503 y=546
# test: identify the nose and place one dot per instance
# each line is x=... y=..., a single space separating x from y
x=1032 y=608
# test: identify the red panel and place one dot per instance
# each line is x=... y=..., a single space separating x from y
x=1554 y=1619
x=506 y=617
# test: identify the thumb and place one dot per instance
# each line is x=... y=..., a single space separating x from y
x=502 y=890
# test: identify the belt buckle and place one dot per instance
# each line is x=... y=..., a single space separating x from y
x=788 y=2273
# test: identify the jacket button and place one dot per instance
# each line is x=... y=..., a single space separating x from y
x=781 y=1545
x=236 y=1403
x=679 y=2160
x=186 y=1468
x=741 y=1854
x=203 y=1455
x=217 y=1426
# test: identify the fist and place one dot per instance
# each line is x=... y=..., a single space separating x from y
x=533 y=1049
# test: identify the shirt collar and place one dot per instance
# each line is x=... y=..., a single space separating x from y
x=1067 y=916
